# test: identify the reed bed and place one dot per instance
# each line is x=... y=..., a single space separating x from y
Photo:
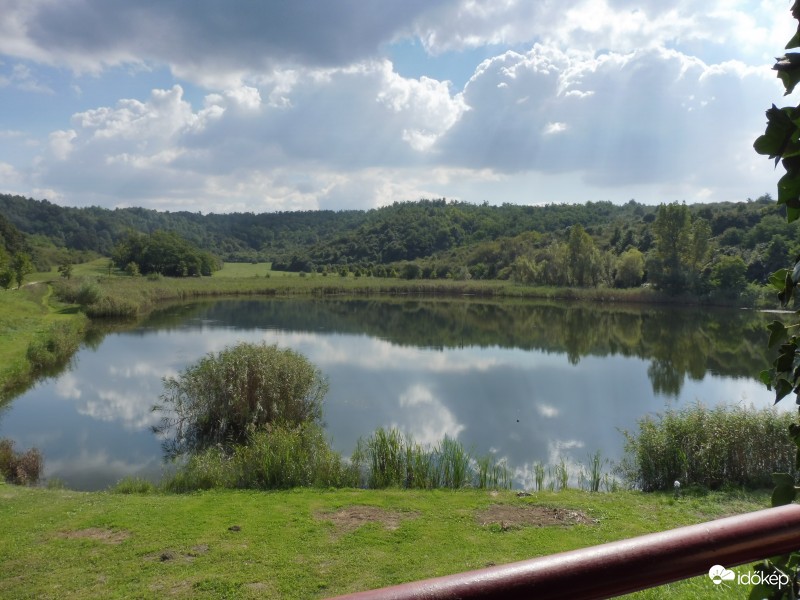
x=709 y=447
x=388 y=458
x=594 y=476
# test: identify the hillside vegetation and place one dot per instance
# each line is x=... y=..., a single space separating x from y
x=680 y=248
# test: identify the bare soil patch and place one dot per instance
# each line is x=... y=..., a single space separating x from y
x=107 y=536
x=511 y=516
x=351 y=518
x=169 y=555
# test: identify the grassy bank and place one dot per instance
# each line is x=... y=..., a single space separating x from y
x=37 y=333
x=312 y=543
x=142 y=293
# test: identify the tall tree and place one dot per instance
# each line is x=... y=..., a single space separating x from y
x=21 y=265
x=672 y=232
x=630 y=268
x=580 y=250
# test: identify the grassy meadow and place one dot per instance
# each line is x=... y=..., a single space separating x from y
x=313 y=543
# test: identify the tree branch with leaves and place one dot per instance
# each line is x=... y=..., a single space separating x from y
x=781 y=142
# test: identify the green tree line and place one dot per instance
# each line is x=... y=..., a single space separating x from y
x=699 y=249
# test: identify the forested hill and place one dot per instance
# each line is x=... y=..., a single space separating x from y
x=402 y=231
x=234 y=237
x=555 y=244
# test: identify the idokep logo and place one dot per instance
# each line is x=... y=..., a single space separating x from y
x=718 y=574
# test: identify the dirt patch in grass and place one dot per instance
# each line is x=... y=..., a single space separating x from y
x=511 y=516
x=180 y=589
x=172 y=555
x=351 y=518
x=107 y=536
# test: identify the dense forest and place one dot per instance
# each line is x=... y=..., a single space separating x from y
x=698 y=248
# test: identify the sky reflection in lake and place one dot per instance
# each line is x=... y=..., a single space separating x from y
x=92 y=422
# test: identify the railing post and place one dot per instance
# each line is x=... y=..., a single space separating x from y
x=618 y=567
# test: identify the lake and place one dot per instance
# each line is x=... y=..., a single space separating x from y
x=527 y=381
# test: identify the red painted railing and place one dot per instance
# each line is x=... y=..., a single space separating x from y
x=618 y=567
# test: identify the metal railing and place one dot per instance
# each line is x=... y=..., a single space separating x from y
x=618 y=567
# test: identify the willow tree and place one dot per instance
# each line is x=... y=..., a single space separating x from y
x=225 y=398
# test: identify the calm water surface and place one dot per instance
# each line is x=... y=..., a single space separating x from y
x=529 y=382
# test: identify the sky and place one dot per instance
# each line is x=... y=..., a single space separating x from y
x=261 y=106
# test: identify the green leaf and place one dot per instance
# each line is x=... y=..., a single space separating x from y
x=785 y=361
x=794 y=42
x=788 y=68
x=789 y=190
x=784 y=492
x=782 y=389
x=778 y=333
x=778 y=279
x=779 y=133
x=785 y=296
x=766 y=377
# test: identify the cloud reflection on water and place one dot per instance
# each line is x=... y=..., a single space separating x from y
x=525 y=405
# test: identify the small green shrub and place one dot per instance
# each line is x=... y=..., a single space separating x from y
x=23 y=468
x=88 y=293
x=59 y=342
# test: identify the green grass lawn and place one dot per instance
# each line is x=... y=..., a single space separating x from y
x=308 y=543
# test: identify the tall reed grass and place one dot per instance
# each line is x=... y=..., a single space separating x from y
x=392 y=459
x=710 y=447
x=287 y=457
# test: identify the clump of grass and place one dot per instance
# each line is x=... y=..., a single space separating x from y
x=113 y=306
x=206 y=470
x=54 y=483
x=21 y=468
x=391 y=459
x=133 y=485
x=709 y=447
x=278 y=458
x=493 y=474
x=288 y=457
x=454 y=464
x=58 y=343
x=539 y=473
x=595 y=473
x=561 y=474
